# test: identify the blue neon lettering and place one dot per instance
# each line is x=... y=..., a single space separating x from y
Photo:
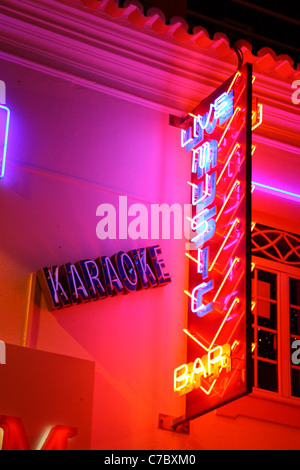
x=111 y=278
x=90 y=273
x=202 y=265
x=208 y=157
x=211 y=125
x=158 y=265
x=56 y=296
x=221 y=109
x=223 y=105
x=197 y=305
x=204 y=160
x=205 y=226
x=144 y=271
x=207 y=197
x=127 y=271
x=201 y=122
x=76 y=286
x=196 y=141
x=186 y=137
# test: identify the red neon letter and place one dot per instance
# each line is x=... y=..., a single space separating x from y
x=14 y=437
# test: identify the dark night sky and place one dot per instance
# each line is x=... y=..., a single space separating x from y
x=279 y=28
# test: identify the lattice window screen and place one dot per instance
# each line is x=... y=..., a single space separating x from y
x=276 y=245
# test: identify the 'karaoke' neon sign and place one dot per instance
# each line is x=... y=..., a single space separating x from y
x=90 y=280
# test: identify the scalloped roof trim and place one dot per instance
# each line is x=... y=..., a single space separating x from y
x=266 y=61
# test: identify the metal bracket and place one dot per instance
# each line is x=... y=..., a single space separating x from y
x=176 y=121
x=169 y=423
x=180 y=122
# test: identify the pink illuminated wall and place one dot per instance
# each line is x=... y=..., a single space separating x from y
x=70 y=151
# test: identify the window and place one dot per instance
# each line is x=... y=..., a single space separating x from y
x=265 y=333
x=276 y=311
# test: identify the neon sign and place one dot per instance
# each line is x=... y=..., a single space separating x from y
x=217 y=138
x=104 y=277
x=4 y=127
x=14 y=436
x=191 y=376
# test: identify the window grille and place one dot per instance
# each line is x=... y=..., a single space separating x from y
x=276 y=310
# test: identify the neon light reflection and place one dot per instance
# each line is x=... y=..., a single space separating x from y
x=4 y=127
x=277 y=190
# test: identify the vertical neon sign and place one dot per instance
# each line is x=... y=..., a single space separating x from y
x=4 y=127
x=217 y=137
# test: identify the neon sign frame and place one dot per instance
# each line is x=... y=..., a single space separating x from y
x=217 y=135
x=15 y=438
x=4 y=128
x=91 y=280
